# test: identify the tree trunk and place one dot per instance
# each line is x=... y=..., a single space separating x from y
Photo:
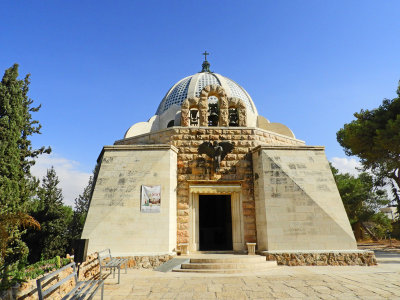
x=370 y=233
x=357 y=231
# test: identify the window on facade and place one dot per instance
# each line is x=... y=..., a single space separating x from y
x=170 y=123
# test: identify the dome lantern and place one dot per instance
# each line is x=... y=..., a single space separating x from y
x=206 y=65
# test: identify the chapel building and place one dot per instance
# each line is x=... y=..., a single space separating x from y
x=207 y=172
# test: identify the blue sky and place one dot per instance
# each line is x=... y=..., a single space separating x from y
x=100 y=66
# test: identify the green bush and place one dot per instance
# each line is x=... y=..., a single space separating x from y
x=382 y=224
x=58 y=262
x=45 y=266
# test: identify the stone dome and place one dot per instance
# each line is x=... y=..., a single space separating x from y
x=211 y=85
x=191 y=86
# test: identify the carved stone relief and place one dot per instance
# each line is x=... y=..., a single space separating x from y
x=219 y=92
x=201 y=104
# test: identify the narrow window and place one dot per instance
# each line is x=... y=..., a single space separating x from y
x=194 y=117
x=213 y=111
x=233 y=117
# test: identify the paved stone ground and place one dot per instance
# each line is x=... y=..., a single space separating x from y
x=378 y=282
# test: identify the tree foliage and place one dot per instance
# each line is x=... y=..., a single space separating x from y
x=362 y=200
x=9 y=242
x=48 y=209
x=81 y=209
x=16 y=157
x=374 y=136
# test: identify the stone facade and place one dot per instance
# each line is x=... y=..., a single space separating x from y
x=297 y=201
x=117 y=197
x=195 y=168
x=282 y=193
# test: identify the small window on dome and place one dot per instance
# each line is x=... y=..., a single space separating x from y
x=233 y=117
x=213 y=112
x=194 y=117
x=170 y=123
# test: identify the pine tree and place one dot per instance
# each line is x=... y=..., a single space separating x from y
x=81 y=209
x=374 y=136
x=16 y=158
x=362 y=201
x=54 y=218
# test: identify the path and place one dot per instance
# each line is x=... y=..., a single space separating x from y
x=379 y=282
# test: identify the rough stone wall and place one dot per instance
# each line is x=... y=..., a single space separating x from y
x=90 y=268
x=146 y=262
x=366 y=258
x=237 y=166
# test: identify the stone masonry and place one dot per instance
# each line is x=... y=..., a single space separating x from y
x=361 y=258
x=192 y=167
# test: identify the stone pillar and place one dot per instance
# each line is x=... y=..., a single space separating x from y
x=184 y=249
x=237 y=232
x=251 y=248
x=194 y=223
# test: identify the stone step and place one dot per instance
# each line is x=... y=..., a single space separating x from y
x=225 y=271
x=229 y=259
x=226 y=264
x=235 y=265
x=219 y=271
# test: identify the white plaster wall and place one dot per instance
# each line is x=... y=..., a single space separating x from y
x=143 y=127
x=298 y=206
x=114 y=219
x=167 y=116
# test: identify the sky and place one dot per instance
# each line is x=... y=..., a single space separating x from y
x=98 y=67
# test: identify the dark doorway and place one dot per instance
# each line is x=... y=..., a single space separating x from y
x=215 y=222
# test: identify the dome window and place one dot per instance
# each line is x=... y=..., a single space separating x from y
x=233 y=117
x=170 y=123
x=213 y=114
x=194 y=117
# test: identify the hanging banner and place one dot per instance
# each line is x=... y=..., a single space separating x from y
x=150 y=199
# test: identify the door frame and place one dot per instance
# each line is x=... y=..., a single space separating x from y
x=235 y=191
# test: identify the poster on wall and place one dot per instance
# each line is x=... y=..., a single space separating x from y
x=150 y=199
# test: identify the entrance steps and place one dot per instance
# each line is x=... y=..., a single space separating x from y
x=226 y=263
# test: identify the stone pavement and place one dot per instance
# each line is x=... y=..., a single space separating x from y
x=327 y=282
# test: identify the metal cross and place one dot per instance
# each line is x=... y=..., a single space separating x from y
x=205 y=55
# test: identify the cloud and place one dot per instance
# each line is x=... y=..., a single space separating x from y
x=72 y=180
x=346 y=165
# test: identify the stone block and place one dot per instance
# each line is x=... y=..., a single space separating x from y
x=183 y=199
x=183 y=192
x=250 y=205
x=183 y=226
x=183 y=233
x=183 y=212
x=182 y=219
x=181 y=205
